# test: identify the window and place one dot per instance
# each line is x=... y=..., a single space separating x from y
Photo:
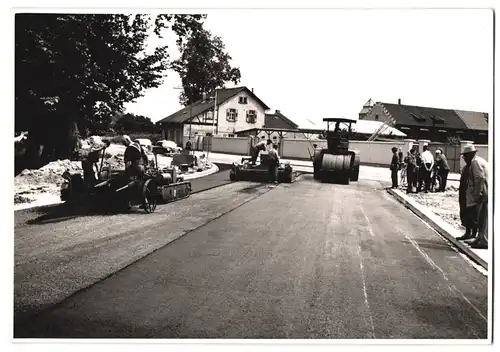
x=243 y=100
x=376 y=117
x=417 y=117
x=231 y=115
x=210 y=115
x=230 y=135
x=437 y=119
x=251 y=116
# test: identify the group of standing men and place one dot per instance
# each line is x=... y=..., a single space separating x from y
x=421 y=169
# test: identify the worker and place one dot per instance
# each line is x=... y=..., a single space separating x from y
x=90 y=158
x=135 y=158
x=442 y=169
x=426 y=168
x=261 y=146
x=411 y=171
x=394 y=167
x=274 y=161
x=477 y=194
x=189 y=146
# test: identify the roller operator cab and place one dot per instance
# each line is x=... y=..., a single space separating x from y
x=336 y=162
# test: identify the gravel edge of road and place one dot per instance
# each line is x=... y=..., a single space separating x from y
x=421 y=213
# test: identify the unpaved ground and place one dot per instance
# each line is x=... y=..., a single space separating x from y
x=444 y=204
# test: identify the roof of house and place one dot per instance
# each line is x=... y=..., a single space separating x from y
x=474 y=120
x=367 y=127
x=278 y=120
x=367 y=107
x=199 y=107
x=430 y=117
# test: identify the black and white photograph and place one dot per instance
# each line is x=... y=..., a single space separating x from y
x=245 y=174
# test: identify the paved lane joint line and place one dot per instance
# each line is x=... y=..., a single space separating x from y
x=370 y=229
x=451 y=286
x=364 y=291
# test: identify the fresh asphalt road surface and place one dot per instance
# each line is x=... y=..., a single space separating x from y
x=306 y=260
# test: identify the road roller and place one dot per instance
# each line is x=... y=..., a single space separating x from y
x=337 y=163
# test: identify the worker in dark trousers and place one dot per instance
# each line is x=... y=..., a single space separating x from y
x=442 y=168
x=274 y=161
x=90 y=159
x=465 y=218
x=261 y=146
x=426 y=168
x=411 y=171
x=135 y=158
x=394 y=167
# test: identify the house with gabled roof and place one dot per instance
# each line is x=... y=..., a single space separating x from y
x=235 y=109
x=437 y=125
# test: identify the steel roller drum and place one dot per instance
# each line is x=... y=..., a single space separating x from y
x=337 y=165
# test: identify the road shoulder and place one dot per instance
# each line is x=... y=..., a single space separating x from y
x=479 y=256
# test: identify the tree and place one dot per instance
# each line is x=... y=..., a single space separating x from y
x=135 y=123
x=81 y=69
x=203 y=66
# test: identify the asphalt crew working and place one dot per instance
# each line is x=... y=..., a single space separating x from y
x=135 y=159
x=259 y=147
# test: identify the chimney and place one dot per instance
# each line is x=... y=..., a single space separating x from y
x=278 y=112
x=399 y=101
x=252 y=90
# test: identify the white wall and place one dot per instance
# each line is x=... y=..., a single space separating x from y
x=225 y=126
x=231 y=145
x=482 y=151
x=370 y=152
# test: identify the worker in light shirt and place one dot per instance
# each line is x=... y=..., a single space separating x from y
x=427 y=165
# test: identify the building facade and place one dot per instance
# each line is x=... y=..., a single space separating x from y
x=236 y=109
x=438 y=125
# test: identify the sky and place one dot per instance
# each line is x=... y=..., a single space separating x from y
x=312 y=64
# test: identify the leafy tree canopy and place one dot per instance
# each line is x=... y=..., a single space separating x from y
x=74 y=72
x=203 y=66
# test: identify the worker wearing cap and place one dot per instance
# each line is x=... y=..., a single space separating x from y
x=477 y=194
x=261 y=146
x=135 y=158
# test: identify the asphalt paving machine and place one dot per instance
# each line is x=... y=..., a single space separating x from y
x=245 y=171
x=115 y=190
x=337 y=163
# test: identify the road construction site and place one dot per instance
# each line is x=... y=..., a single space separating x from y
x=246 y=260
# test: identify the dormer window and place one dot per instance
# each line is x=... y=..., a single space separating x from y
x=243 y=100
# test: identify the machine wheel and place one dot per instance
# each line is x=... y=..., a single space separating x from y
x=149 y=196
x=232 y=175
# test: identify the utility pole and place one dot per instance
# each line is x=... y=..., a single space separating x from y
x=190 y=117
x=215 y=112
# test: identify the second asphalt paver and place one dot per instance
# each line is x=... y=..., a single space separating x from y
x=305 y=260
